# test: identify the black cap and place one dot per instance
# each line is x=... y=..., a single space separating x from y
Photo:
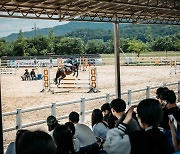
x=51 y=120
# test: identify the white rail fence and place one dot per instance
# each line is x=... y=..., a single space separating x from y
x=53 y=106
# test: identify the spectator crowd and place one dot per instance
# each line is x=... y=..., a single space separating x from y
x=150 y=127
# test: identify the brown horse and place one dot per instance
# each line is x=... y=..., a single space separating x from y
x=62 y=72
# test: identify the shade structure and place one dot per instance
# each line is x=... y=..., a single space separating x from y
x=116 y=11
x=124 y=11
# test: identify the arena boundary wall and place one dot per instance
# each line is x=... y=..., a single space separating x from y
x=53 y=106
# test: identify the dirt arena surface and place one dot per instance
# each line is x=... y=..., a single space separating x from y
x=26 y=94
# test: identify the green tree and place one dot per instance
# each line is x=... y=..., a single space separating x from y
x=109 y=47
x=95 y=46
x=5 y=48
x=51 y=39
x=177 y=45
x=137 y=46
x=162 y=44
x=70 y=46
x=41 y=43
x=20 y=45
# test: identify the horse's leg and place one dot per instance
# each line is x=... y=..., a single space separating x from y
x=77 y=71
x=61 y=78
x=57 y=76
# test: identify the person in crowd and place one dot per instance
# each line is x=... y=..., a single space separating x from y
x=87 y=139
x=33 y=75
x=170 y=111
x=175 y=140
x=168 y=98
x=149 y=140
x=64 y=140
x=159 y=91
x=108 y=117
x=99 y=126
x=52 y=123
x=118 y=107
x=76 y=142
x=35 y=142
x=11 y=149
x=26 y=75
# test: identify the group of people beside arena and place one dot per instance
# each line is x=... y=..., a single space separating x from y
x=29 y=76
x=150 y=127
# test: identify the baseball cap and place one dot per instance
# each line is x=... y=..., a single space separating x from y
x=51 y=120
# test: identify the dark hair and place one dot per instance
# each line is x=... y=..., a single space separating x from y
x=37 y=142
x=64 y=139
x=150 y=112
x=19 y=133
x=97 y=117
x=118 y=105
x=105 y=107
x=168 y=96
x=74 y=117
x=71 y=127
x=159 y=91
x=51 y=122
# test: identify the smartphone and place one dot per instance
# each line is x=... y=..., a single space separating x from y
x=171 y=117
x=164 y=103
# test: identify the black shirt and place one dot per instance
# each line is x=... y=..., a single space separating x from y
x=175 y=111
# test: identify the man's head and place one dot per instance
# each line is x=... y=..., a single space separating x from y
x=51 y=122
x=74 y=117
x=159 y=91
x=118 y=106
x=149 y=112
x=105 y=108
x=169 y=96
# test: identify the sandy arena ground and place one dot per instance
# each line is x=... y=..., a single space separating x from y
x=26 y=94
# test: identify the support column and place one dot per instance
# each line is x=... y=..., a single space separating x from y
x=1 y=123
x=117 y=64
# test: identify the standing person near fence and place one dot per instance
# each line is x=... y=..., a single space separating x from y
x=87 y=139
x=168 y=98
x=99 y=126
x=159 y=91
x=149 y=140
x=108 y=116
x=118 y=107
x=52 y=123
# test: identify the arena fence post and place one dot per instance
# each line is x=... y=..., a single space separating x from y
x=53 y=109
x=19 y=119
x=129 y=97
x=148 y=91
x=178 y=91
x=108 y=98
x=82 y=112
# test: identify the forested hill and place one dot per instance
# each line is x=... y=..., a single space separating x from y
x=87 y=30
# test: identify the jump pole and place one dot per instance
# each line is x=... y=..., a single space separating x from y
x=92 y=81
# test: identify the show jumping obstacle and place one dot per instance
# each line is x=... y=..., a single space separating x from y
x=173 y=66
x=71 y=82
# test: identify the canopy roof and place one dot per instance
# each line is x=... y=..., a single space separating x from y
x=122 y=11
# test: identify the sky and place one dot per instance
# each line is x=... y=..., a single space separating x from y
x=12 y=25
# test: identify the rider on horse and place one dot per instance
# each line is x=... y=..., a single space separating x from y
x=70 y=66
x=70 y=63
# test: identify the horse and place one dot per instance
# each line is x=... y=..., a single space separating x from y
x=66 y=70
